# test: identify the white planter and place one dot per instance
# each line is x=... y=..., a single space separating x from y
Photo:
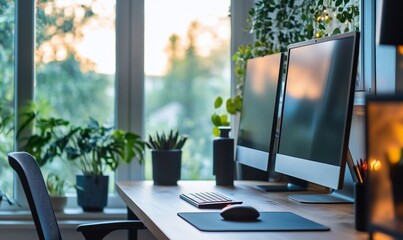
x=58 y=203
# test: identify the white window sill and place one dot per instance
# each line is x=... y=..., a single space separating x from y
x=69 y=218
x=114 y=201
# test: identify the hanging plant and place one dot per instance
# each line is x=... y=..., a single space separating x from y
x=277 y=23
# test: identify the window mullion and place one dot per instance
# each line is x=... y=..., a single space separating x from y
x=24 y=58
x=24 y=76
x=130 y=75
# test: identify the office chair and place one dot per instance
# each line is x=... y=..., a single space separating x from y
x=41 y=208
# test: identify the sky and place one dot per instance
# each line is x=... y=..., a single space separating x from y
x=162 y=19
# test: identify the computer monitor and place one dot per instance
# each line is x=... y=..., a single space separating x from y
x=258 y=119
x=317 y=110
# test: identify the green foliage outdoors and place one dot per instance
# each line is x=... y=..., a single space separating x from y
x=7 y=23
x=76 y=92
x=63 y=81
x=49 y=138
x=191 y=83
x=277 y=23
x=162 y=141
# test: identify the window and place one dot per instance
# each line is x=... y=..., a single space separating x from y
x=75 y=65
x=75 y=69
x=6 y=92
x=187 y=65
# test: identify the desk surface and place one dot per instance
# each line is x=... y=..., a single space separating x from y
x=157 y=207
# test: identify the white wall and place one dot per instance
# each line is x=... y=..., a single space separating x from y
x=357 y=134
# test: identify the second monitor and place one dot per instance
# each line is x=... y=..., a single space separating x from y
x=258 y=119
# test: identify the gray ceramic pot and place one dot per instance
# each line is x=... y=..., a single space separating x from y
x=166 y=166
x=92 y=192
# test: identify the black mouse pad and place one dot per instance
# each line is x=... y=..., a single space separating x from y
x=267 y=221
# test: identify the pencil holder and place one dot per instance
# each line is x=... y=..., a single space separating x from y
x=361 y=207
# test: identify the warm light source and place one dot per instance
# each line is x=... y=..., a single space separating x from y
x=394 y=155
x=391 y=32
x=375 y=164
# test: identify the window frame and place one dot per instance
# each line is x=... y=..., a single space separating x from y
x=368 y=35
x=129 y=79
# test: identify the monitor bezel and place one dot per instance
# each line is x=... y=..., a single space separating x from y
x=330 y=176
x=253 y=157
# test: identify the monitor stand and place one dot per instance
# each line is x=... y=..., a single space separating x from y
x=344 y=195
x=293 y=184
x=330 y=198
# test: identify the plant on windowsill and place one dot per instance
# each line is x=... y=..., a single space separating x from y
x=49 y=138
x=275 y=25
x=46 y=143
x=57 y=187
x=93 y=149
x=166 y=154
x=232 y=106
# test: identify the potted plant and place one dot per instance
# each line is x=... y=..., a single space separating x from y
x=46 y=144
x=49 y=138
x=166 y=154
x=56 y=187
x=93 y=149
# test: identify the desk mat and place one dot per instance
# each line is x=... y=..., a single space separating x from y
x=267 y=221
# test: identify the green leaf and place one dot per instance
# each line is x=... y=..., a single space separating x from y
x=216 y=131
x=216 y=120
x=231 y=109
x=341 y=17
x=166 y=142
x=224 y=119
x=238 y=103
x=336 y=31
x=338 y=2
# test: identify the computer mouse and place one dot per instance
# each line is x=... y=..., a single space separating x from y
x=239 y=213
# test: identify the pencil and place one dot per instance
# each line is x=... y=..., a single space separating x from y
x=357 y=172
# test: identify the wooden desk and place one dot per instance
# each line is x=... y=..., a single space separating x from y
x=157 y=207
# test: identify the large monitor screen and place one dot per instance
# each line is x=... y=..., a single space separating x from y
x=259 y=111
x=317 y=109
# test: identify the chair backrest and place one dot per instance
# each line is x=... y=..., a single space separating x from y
x=37 y=195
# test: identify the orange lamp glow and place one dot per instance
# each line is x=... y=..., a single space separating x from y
x=375 y=164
